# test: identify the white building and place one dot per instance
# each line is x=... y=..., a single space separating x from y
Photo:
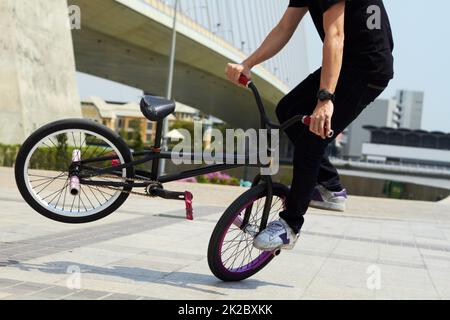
x=404 y=111
x=381 y=113
x=410 y=106
x=406 y=146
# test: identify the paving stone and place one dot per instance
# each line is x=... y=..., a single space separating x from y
x=26 y=288
x=86 y=295
x=118 y=296
x=54 y=293
x=145 y=251
x=4 y=283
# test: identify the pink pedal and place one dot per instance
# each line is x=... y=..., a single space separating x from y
x=188 y=197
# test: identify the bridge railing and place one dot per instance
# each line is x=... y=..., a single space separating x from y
x=189 y=22
x=207 y=24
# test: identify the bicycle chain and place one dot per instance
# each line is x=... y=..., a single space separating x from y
x=146 y=194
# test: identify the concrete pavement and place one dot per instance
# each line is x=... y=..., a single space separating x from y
x=379 y=249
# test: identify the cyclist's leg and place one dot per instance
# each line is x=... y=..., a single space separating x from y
x=301 y=100
x=329 y=176
x=352 y=96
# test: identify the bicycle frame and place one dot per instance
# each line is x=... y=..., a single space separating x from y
x=155 y=155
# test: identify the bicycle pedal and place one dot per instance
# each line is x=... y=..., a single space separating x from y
x=188 y=197
x=276 y=253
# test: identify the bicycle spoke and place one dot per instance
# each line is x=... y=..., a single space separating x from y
x=238 y=252
x=237 y=255
x=86 y=198
x=65 y=188
x=73 y=202
x=47 y=185
x=233 y=255
x=64 y=201
x=90 y=189
x=74 y=142
x=56 y=192
x=51 y=141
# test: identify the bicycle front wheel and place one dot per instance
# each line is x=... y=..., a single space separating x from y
x=231 y=255
x=42 y=171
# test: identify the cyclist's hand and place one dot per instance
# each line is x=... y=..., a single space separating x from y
x=234 y=71
x=321 y=119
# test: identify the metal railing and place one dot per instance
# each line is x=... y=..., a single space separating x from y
x=238 y=26
x=399 y=168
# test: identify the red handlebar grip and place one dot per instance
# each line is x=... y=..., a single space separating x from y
x=244 y=80
x=307 y=122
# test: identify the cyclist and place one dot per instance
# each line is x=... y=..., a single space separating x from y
x=357 y=66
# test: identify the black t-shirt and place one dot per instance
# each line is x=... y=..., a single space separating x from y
x=368 y=37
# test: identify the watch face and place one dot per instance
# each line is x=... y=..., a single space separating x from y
x=324 y=95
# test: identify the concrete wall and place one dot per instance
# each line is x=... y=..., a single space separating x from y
x=37 y=67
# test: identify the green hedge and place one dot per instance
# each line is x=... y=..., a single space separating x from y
x=43 y=158
x=8 y=155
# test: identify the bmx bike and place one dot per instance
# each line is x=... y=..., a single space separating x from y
x=79 y=171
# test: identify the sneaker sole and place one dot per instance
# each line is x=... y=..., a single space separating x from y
x=282 y=247
x=329 y=206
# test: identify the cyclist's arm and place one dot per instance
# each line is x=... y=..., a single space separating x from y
x=274 y=42
x=333 y=51
x=333 y=46
x=278 y=37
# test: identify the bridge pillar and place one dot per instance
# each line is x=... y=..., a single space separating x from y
x=37 y=67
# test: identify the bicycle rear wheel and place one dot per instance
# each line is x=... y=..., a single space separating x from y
x=231 y=255
x=42 y=171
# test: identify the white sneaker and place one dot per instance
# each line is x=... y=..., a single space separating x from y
x=328 y=200
x=277 y=235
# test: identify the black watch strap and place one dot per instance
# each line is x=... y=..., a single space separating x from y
x=325 y=95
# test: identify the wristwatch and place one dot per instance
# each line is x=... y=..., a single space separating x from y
x=325 y=95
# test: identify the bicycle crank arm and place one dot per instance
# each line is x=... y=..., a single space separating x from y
x=186 y=196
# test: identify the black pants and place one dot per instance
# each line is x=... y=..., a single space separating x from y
x=311 y=165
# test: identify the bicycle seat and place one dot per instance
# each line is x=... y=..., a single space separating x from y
x=156 y=108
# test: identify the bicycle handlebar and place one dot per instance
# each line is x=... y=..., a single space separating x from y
x=265 y=121
x=244 y=80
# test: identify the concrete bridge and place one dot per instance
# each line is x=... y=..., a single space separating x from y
x=126 y=41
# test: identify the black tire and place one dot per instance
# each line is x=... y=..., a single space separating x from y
x=55 y=127
x=214 y=249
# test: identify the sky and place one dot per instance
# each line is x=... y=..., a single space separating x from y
x=422 y=60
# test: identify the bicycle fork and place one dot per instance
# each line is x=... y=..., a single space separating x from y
x=243 y=223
